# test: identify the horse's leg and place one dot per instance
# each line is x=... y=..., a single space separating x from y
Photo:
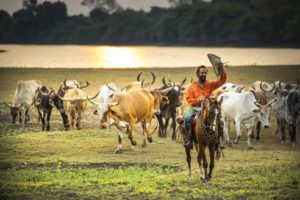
x=188 y=160
x=202 y=155
x=212 y=159
x=199 y=158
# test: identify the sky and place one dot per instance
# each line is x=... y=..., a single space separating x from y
x=74 y=6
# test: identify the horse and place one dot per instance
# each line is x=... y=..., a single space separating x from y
x=206 y=132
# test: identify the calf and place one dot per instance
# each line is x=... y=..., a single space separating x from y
x=23 y=98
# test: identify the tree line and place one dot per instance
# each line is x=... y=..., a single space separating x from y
x=214 y=23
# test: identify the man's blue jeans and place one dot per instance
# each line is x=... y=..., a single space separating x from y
x=188 y=118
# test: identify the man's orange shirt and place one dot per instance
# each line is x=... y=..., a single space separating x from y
x=196 y=92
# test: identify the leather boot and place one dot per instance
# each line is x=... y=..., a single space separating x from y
x=188 y=142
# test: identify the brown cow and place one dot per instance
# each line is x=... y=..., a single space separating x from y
x=75 y=103
x=133 y=107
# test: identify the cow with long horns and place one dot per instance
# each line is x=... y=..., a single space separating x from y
x=44 y=105
x=23 y=99
x=168 y=111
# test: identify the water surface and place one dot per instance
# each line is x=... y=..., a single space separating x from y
x=83 y=56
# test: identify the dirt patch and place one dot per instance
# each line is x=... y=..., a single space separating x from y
x=114 y=165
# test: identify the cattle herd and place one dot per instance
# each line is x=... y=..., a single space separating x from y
x=139 y=103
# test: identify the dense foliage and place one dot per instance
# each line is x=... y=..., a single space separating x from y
x=215 y=23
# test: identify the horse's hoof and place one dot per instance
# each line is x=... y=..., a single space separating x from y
x=118 y=151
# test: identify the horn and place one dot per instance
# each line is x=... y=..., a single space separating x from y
x=93 y=97
x=297 y=84
x=84 y=86
x=138 y=77
x=166 y=90
x=183 y=82
x=65 y=81
x=112 y=104
x=164 y=81
x=92 y=101
x=153 y=78
x=270 y=102
x=46 y=94
x=142 y=84
x=258 y=104
x=279 y=84
x=7 y=104
x=110 y=88
x=261 y=87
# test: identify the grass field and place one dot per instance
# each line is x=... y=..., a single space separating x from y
x=82 y=164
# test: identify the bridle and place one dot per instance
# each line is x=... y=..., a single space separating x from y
x=209 y=118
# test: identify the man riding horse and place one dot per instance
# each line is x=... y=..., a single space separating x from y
x=195 y=94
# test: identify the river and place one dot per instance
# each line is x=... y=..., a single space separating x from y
x=85 y=56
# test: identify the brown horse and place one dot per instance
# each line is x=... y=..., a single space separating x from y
x=206 y=132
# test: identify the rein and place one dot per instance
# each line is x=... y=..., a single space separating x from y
x=207 y=130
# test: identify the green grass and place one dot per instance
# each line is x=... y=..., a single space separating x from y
x=82 y=164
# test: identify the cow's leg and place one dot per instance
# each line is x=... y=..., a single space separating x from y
x=238 y=130
x=43 y=120
x=120 y=136
x=258 y=126
x=249 y=133
x=188 y=160
x=174 y=126
x=72 y=118
x=282 y=125
x=48 y=120
x=212 y=160
x=225 y=131
x=145 y=133
x=161 y=126
x=27 y=119
x=292 y=132
x=166 y=126
x=79 y=117
x=131 y=131
x=65 y=120
x=20 y=116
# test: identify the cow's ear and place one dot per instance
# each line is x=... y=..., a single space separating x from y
x=165 y=99
x=38 y=102
x=51 y=102
x=256 y=110
x=96 y=112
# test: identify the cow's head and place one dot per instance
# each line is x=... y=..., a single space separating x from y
x=14 y=110
x=160 y=97
x=174 y=95
x=106 y=94
x=263 y=112
x=43 y=98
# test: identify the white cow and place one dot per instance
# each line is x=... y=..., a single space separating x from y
x=243 y=108
x=23 y=99
x=104 y=99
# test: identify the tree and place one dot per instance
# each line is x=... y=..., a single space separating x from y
x=108 y=6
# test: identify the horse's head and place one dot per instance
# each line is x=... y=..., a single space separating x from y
x=211 y=112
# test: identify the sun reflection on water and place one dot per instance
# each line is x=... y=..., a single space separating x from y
x=118 y=57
